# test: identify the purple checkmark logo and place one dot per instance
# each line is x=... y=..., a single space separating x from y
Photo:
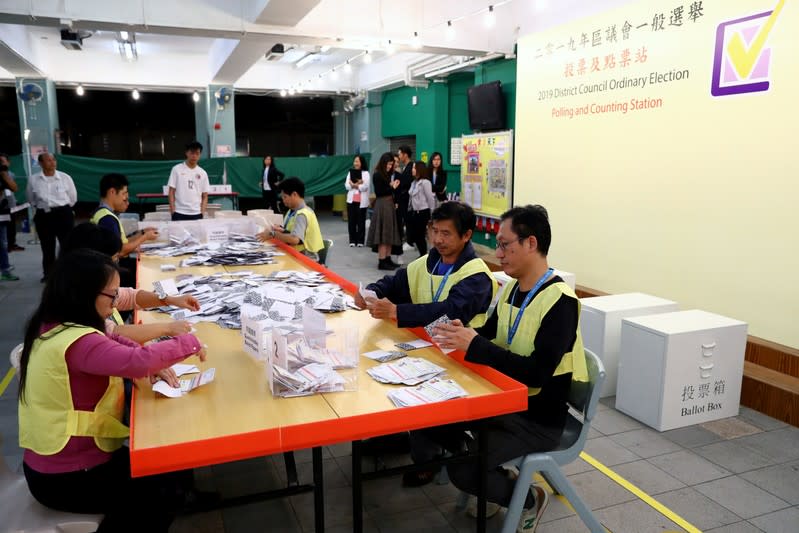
x=742 y=61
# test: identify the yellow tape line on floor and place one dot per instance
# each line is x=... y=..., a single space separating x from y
x=646 y=498
x=7 y=380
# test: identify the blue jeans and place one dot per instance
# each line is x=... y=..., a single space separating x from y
x=4 y=266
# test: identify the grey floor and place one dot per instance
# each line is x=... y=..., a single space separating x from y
x=735 y=475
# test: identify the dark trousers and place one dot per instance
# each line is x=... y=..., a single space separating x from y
x=507 y=437
x=181 y=216
x=417 y=229
x=356 y=222
x=12 y=230
x=270 y=200
x=51 y=226
x=129 y=504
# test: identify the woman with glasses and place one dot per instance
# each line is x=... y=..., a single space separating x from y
x=71 y=400
x=99 y=239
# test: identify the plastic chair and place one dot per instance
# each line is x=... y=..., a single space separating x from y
x=22 y=513
x=583 y=399
x=324 y=251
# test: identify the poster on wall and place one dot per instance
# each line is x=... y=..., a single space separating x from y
x=487 y=172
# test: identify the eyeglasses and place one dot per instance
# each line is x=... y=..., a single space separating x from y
x=504 y=245
x=113 y=296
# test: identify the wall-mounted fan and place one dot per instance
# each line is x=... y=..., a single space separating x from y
x=30 y=93
x=223 y=96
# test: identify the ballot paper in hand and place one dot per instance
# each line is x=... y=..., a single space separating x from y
x=430 y=329
x=182 y=368
x=165 y=287
x=434 y=390
x=409 y=371
x=366 y=293
x=186 y=385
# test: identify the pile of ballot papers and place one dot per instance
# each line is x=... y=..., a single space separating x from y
x=279 y=295
x=239 y=249
x=434 y=390
x=287 y=290
x=298 y=365
x=408 y=371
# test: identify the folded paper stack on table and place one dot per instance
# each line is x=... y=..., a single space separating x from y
x=408 y=371
x=434 y=390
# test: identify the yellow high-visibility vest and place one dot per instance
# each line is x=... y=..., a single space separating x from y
x=523 y=340
x=47 y=417
x=419 y=283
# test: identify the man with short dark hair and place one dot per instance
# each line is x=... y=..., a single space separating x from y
x=300 y=227
x=402 y=196
x=450 y=280
x=114 y=200
x=533 y=336
x=52 y=193
x=188 y=186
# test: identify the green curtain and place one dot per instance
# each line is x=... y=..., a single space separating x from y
x=322 y=175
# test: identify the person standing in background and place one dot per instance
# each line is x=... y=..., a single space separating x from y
x=12 y=226
x=422 y=203
x=270 y=178
x=188 y=186
x=401 y=192
x=357 y=184
x=7 y=189
x=438 y=176
x=52 y=193
x=383 y=231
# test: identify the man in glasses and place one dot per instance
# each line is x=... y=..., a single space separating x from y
x=450 y=280
x=533 y=336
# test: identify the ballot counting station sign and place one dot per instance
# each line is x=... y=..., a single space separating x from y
x=655 y=134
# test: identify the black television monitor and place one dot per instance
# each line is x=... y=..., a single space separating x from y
x=486 y=107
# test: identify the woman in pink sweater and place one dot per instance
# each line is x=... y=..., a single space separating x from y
x=71 y=400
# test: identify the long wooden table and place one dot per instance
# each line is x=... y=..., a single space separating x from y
x=236 y=417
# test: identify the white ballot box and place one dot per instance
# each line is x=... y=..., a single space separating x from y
x=679 y=369
x=600 y=324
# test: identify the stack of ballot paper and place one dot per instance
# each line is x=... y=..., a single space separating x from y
x=435 y=390
x=297 y=365
x=409 y=371
x=308 y=379
x=384 y=356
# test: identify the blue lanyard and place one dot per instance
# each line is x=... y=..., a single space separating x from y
x=437 y=295
x=512 y=329
x=289 y=216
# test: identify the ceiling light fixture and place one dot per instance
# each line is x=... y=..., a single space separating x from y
x=126 y=43
x=135 y=94
x=292 y=91
x=450 y=31
x=79 y=90
x=195 y=96
x=283 y=93
x=491 y=19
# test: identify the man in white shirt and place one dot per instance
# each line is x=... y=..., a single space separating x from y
x=52 y=193
x=188 y=186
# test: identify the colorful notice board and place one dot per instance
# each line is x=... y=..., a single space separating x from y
x=487 y=172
